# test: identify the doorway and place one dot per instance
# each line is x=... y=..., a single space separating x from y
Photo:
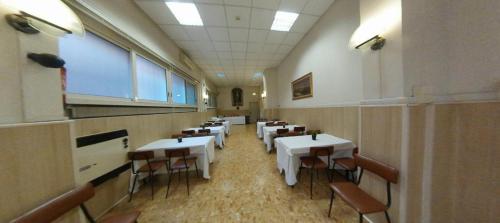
x=254 y=110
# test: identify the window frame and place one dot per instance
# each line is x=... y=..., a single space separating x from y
x=135 y=101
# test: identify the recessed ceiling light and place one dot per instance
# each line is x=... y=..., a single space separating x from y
x=186 y=13
x=283 y=21
x=221 y=75
x=254 y=93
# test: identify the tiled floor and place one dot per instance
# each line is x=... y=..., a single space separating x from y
x=245 y=186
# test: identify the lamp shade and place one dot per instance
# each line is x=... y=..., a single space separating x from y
x=50 y=16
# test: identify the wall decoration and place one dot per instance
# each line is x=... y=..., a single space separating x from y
x=237 y=97
x=302 y=87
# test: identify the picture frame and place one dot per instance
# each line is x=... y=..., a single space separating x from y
x=302 y=87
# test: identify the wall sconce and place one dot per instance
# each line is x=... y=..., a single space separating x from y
x=49 y=16
x=375 y=43
x=264 y=94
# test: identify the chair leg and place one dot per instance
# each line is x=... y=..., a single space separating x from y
x=312 y=176
x=169 y=180
x=196 y=167
x=300 y=170
x=331 y=203
x=360 y=218
x=179 y=175
x=317 y=174
x=387 y=217
x=327 y=172
x=187 y=179
x=152 y=184
x=133 y=187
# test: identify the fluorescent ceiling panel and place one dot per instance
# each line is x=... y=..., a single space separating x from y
x=185 y=13
x=283 y=21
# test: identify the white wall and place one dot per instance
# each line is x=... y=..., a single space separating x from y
x=270 y=85
x=452 y=47
x=324 y=51
x=224 y=101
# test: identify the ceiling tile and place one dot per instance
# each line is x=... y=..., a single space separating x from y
x=284 y=49
x=317 y=7
x=238 y=46
x=211 y=1
x=255 y=47
x=218 y=34
x=304 y=23
x=204 y=45
x=212 y=15
x=186 y=45
x=224 y=55
x=293 y=38
x=270 y=48
x=267 y=4
x=262 y=18
x=157 y=11
x=252 y=56
x=232 y=13
x=257 y=35
x=247 y=3
x=175 y=32
x=238 y=35
x=238 y=55
x=292 y=5
x=276 y=37
x=197 y=32
x=222 y=46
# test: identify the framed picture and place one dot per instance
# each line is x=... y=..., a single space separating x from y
x=302 y=87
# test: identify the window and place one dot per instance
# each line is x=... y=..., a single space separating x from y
x=190 y=94
x=178 y=89
x=151 y=80
x=212 y=99
x=96 y=67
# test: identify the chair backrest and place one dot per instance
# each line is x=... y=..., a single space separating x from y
x=181 y=152
x=321 y=151
x=211 y=121
x=281 y=123
x=269 y=123
x=175 y=136
x=188 y=132
x=208 y=123
x=204 y=131
x=310 y=132
x=299 y=129
x=355 y=151
x=141 y=155
x=282 y=131
x=218 y=124
x=53 y=209
x=200 y=134
x=293 y=133
x=383 y=170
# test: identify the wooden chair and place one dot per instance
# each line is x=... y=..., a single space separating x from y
x=204 y=131
x=208 y=123
x=218 y=124
x=269 y=123
x=199 y=134
x=358 y=199
x=150 y=167
x=281 y=132
x=55 y=208
x=188 y=132
x=185 y=161
x=175 y=136
x=347 y=164
x=289 y=134
x=281 y=123
x=313 y=162
x=300 y=129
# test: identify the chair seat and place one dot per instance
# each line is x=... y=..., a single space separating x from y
x=179 y=164
x=346 y=163
x=357 y=198
x=308 y=161
x=155 y=165
x=129 y=217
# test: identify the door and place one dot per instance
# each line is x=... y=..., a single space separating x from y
x=254 y=111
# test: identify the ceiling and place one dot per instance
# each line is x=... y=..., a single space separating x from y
x=237 y=48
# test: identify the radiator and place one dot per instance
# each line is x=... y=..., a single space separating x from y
x=101 y=155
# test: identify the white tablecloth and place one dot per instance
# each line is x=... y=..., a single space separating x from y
x=269 y=131
x=226 y=123
x=260 y=125
x=236 y=120
x=203 y=147
x=217 y=131
x=289 y=149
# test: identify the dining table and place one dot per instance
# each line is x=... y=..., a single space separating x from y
x=269 y=132
x=290 y=149
x=217 y=131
